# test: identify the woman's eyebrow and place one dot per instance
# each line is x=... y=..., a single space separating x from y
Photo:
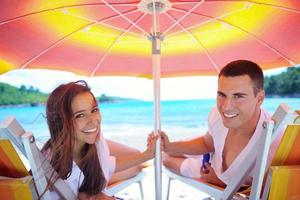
x=79 y=111
x=95 y=106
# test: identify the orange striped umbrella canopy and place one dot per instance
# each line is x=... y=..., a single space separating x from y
x=113 y=37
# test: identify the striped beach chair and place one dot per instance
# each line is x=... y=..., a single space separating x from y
x=284 y=174
x=15 y=180
x=41 y=168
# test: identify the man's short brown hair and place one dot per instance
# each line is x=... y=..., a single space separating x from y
x=245 y=67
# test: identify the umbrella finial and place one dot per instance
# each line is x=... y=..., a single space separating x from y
x=160 y=6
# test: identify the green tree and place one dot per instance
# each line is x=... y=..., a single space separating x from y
x=284 y=84
x=22 y=88
x=10 y=95
x=31 y=89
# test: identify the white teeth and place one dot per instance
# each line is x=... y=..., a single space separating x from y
x=90 y=130
x=230 y=115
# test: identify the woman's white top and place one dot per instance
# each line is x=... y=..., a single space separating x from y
x=107 y=162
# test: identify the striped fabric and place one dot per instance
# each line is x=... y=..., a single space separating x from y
x=14 y=188
x=10 y=163
x=15 y=180
x=285 y=170
x=285 y=183
x=288 y=152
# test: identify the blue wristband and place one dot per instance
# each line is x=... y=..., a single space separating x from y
x=205 y=159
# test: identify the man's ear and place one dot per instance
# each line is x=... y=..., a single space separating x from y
x=260 y=96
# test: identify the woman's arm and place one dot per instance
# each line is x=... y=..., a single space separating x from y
x=117 y=149
x=127 y=161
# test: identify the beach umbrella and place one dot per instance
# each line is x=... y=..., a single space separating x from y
x=148 y=38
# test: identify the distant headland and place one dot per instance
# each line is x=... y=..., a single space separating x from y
x=11 y=96
x=285 y=84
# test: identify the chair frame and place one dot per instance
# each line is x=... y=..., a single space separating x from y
x=41 y=167
x=17 y=175
x=267 y=185
x=120 y=185
x=271 y=129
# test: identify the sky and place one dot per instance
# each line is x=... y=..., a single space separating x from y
x=193 y=87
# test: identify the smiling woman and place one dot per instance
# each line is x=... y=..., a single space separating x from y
x=67 y=142
x=77 y=149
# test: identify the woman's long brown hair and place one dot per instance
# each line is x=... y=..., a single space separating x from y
x=62 y=135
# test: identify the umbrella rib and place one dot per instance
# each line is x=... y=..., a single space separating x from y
x=248 y=33
x=128 y=4
x=115 y=35
x=58 y=8
x=110 y=18
x=264 y=43
x=154 y=18
x=184 y=2
x=127 y=19
x=275 y=6
x=202 y=23
x=197 y=40
x=24 y=65
x=249 y=1
x=178 y=21
x=58 y=42
x=113 y=43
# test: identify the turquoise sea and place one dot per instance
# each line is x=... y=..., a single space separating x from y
x=129 y=122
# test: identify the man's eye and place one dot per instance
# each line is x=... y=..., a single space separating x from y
x=237 y=96
x=221 y=95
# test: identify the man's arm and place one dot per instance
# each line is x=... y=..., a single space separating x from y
x=210 y=176
x=197 y=146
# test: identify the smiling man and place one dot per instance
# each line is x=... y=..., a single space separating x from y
x=233 y=127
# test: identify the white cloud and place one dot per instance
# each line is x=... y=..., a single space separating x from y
x=270 y=72
x=44 y=80
x=195 y=87
x=132 y=87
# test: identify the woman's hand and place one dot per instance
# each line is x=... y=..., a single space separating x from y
x=209 y=175
x=151 y=140
x=162 y=135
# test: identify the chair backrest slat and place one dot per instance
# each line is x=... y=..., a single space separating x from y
x=9 y=126
x=40 y=166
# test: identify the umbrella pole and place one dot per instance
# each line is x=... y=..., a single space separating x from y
x=157 y=122
x=156 y=89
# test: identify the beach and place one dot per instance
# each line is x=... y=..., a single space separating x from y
x=178 y=189
x=130 y=122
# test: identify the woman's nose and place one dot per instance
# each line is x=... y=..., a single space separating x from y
x=91 y=118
